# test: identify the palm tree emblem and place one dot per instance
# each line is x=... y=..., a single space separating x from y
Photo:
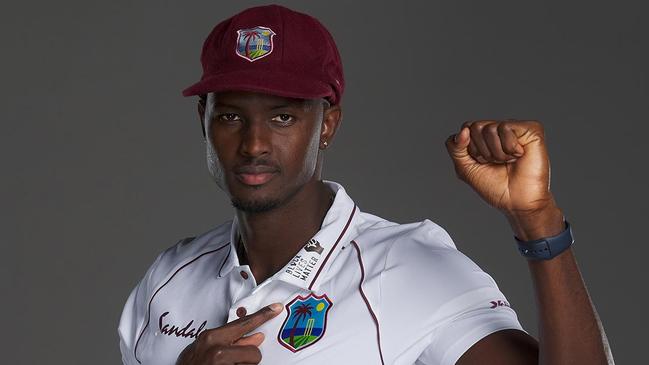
x=300 y=313
x=249 y=35
x=305 y=321
x=254 y=43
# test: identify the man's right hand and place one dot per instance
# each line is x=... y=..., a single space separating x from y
x=227 y=345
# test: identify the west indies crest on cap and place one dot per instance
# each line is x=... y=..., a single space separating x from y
x=254 y=43
x=274 y=50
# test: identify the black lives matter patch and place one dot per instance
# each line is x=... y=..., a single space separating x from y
x=305 y=263
x=313 y=246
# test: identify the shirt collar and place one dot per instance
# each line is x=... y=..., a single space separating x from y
x=307 y=267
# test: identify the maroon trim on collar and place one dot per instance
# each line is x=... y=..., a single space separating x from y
x=160 y=288
x=333 y=248
x=227 y=257
x=367 y=303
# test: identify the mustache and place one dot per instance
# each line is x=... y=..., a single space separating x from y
x=256 y=166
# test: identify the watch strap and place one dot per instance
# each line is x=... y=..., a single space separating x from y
x=547 y=247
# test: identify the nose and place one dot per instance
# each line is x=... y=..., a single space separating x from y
x=255 y=139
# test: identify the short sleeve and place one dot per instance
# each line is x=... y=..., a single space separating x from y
x=480 y=316
x=133 y=315
x=454 y=302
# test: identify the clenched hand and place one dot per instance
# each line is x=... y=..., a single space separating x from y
x=505 y=162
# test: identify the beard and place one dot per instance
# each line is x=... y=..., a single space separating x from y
x=255 y=206
x=263 y=205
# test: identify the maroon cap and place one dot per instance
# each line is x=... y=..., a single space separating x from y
x=274 y=50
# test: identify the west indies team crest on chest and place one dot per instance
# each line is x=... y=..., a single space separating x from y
x=254 y=43
x=305 y=322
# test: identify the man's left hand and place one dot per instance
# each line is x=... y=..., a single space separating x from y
x=505 y=162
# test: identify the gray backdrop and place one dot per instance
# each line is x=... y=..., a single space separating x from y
x=103 y=160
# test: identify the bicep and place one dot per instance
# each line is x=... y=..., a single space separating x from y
x=503 y=347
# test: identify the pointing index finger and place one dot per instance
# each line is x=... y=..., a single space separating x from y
x=237 y=328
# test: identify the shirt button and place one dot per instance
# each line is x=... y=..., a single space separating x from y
x=241 y=311
x=244 y=275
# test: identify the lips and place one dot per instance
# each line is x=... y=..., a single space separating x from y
x=255 y=179
x=255 y=175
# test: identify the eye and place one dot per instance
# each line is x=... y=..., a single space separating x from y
x=284 y=119
x=228 y=117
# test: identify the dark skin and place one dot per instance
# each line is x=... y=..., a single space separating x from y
x=257 y=134
x=504 y=162
x=284 y=136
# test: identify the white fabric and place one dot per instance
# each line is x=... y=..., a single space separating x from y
x=427 y=302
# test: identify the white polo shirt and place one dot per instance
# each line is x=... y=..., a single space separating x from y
x=363 y=290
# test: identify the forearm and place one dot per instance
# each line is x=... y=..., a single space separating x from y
x=569 y=329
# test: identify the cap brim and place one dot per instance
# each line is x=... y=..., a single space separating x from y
x=276 y=83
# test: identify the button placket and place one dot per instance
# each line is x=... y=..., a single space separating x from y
x=244 y=274
x=250 y=302
x=240 y=304
x=241 y=311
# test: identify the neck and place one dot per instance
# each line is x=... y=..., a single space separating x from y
x=271 y=239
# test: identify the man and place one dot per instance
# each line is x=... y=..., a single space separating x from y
x=303 y=275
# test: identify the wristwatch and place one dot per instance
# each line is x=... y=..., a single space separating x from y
x=547 y=247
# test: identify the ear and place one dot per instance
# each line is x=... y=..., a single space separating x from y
x=331 y=120
x=201 y=114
